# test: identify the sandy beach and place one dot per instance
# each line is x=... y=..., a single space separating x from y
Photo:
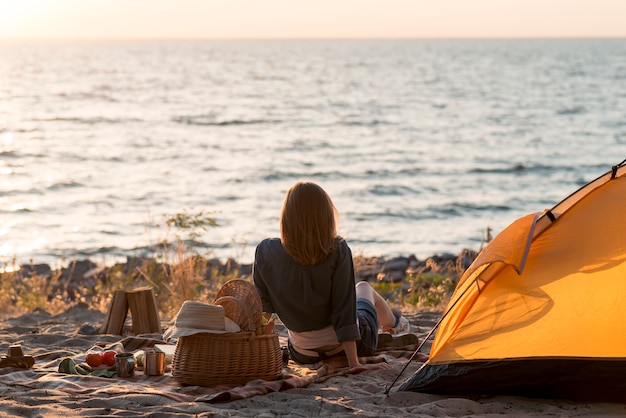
x=323 y=390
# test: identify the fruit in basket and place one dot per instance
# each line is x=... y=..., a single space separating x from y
x=94 y=359
x=108 y=358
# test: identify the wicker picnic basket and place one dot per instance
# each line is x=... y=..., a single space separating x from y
x=208 y=359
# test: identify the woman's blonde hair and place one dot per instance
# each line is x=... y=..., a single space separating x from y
x=308 y=223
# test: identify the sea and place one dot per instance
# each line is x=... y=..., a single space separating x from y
x=425 y=146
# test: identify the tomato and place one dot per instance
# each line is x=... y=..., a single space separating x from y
x=94 y=359
x=108 y=357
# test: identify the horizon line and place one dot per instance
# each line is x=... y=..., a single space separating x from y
x=356 y=38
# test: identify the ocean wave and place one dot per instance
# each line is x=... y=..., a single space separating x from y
x=436 y=212
x=520 y=167
x=64 y=185
x=297 y=175
x=386 y=173
x=88 y=120
x=391 y=190
x=112 y=252
x=575 y=110
x=618 y=123
x=209 y=120
x=19 y=192
x=87 y=96
x=355 y=242
x=414 y=214
x=462 y=209
x=10 y=154
x=373 y=122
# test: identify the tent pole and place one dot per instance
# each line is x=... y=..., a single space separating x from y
x=413 y=355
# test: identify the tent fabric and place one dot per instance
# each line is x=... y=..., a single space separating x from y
x=574 y=379
x=544 y=302
x=509 y=247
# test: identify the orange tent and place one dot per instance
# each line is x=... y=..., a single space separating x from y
x=542 y=310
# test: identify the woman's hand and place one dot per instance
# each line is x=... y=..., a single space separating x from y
x=354 y=363
x=372 y=366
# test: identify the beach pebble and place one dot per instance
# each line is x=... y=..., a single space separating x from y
x=87 y=329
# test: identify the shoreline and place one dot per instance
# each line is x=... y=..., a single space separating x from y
x=381 y=268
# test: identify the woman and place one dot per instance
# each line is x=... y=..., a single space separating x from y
x=307 y=278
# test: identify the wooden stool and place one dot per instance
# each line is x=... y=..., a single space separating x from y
x=143 y=312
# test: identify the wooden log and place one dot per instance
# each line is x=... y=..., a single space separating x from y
x=143 y=311
x=116 y=315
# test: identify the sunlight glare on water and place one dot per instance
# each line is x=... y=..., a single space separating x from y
x=421 y=144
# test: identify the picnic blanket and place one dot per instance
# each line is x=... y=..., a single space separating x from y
x=60 y=350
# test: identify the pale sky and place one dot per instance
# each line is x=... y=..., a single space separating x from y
x=252 y=19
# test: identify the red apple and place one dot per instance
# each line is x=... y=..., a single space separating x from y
x=108 y=357
x=94 y=359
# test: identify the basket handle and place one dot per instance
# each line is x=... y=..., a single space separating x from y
x=227 y=301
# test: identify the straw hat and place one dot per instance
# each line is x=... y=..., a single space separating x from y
x=197 y=317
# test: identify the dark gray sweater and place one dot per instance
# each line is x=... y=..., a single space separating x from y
x=308 y=298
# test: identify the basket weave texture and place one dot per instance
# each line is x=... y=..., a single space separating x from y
x=233 y=358
x=241 y=303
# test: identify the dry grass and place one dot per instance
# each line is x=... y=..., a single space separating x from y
x=184 y=275
x=424 y=292
x=25 y=294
